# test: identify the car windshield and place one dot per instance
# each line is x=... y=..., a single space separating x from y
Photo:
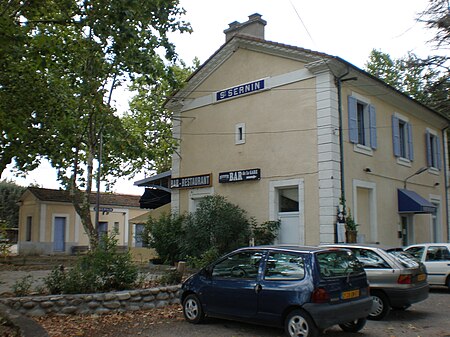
x=416 y=252
x=405 y=259
x=338 y=263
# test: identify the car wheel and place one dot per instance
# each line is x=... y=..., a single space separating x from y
x=448 y=282
x=353 y=326
x=380 y=307
x=299 y=324
x=192 y=309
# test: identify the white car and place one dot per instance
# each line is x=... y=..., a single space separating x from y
x=436 y=257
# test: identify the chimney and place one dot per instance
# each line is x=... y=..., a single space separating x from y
x=254 y=27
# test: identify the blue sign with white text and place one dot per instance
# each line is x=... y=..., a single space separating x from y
x=240 y=90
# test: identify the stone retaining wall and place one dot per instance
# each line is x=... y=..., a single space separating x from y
x=120 y=301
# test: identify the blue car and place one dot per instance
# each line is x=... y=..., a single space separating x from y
x=303 y=289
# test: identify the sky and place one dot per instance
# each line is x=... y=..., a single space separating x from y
x=349 y=29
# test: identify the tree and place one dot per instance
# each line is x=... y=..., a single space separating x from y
x=10 y=194
x=417 y=78
x=89 y=48
x=150 y=122
x=426 y=80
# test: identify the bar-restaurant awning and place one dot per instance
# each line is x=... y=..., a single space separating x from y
x=411 y=202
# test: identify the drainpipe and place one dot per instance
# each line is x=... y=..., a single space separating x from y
x=338 y=81
x=444 y=130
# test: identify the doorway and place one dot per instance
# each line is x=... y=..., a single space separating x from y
x=59 y=234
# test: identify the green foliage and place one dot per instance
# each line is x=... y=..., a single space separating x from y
x=60 y=62
x=9 y=208
x=150 y=123
x=102 y=269
x=22 y=287
x=205 y=259
x=171 y=277
x=165 y=235
x=216 y=223
x=4 y=242
x=265 y=233
x=350 y=223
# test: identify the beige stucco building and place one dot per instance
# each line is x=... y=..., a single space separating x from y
x=286 y=132
x=48 y=223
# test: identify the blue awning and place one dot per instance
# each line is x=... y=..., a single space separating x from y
x=411 y=202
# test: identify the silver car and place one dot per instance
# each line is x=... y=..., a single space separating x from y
x=436 y=258
x=396 y=279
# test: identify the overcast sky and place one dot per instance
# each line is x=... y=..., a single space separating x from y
x=349 y=29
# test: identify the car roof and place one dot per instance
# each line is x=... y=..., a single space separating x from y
x=363 y=245
x=429 y=244
x=295 y=248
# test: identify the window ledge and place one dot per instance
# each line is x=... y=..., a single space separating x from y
x=433 y=170
x=404 y=162
x=363 y=149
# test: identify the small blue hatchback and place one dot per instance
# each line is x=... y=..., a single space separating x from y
x=303 y=289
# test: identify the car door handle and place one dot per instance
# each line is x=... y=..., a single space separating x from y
x=258 y=288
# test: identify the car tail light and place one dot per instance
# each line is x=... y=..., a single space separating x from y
x=404 y=279
x=320 y=295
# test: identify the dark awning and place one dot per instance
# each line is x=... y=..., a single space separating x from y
x=154 y=198
x=411 y=202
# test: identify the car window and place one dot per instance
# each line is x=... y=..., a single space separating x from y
x=243 y=265
x=417 y=252
x=405 y=259
x=370 y=259
x=284 y=266
x=437 y=253
x=338 y=263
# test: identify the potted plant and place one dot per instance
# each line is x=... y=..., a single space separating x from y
x=351 y=230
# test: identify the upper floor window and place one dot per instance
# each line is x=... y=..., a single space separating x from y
x=402 y=138
x=362 y=123
x=433 y=150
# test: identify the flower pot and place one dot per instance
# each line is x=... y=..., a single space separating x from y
x=350 y=236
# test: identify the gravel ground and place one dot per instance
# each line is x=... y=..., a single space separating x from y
x=429 y=318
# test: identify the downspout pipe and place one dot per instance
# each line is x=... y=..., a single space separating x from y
x=338 y=81
x=444 y=130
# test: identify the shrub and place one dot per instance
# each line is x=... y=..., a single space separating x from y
x=206 y=258
x=265 y=233
x=171 y=277
x=22 y=287
x=165 y=235
x=217 y=224
x=102 y=269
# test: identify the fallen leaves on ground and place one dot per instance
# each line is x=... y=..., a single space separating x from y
x=112 y=324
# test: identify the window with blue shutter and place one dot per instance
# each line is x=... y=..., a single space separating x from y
x=352 y=120
x=402 y=139
x=362 y=125
x=433 y=150
x=373 y=127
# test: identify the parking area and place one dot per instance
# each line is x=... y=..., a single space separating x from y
x=425 y=319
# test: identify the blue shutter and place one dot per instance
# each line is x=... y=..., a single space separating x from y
x=438 y=152
x=428 y=143
x=410 y=142
x=352 y=120
x=373 y=127
x=395 y=136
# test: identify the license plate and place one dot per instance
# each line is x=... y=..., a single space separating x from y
x=350 y=294
x=421 y=277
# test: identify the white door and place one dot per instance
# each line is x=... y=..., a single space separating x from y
x=291 y=229
x=437 y=261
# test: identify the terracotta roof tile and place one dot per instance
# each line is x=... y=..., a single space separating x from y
x=112 y=199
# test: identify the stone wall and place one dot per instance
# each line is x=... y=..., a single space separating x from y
x=120 y=301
